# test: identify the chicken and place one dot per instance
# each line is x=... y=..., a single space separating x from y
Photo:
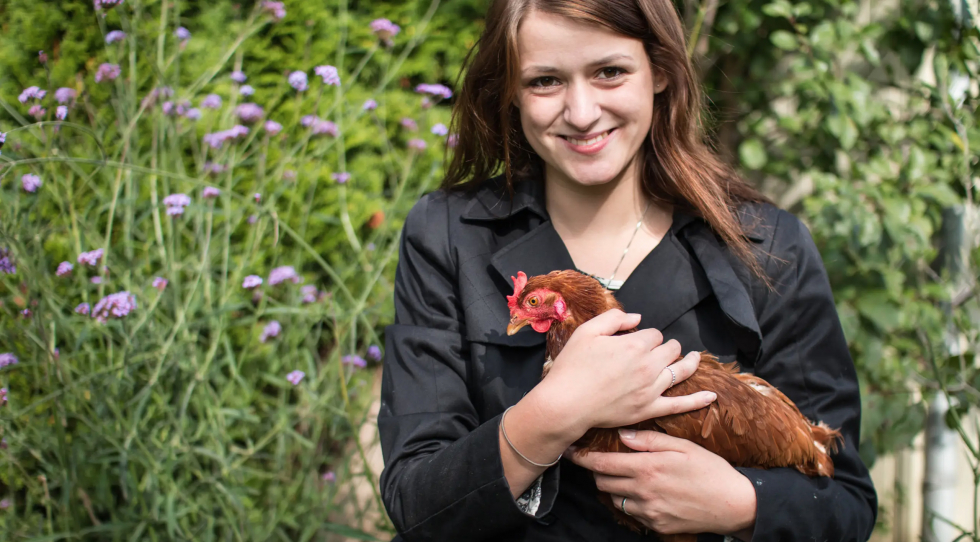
x=750 y=424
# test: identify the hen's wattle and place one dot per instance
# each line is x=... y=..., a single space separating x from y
x=750 y=424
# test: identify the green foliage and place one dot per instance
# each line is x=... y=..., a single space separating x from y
x=177 y=421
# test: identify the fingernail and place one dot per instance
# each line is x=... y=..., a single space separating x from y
x=628 y=433
x=695 y=354
x=710 y=398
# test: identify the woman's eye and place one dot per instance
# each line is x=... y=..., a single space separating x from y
x=611 y=72
x=533 y=302
x=543 y=82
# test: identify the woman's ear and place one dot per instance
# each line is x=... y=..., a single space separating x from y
x=659 y=81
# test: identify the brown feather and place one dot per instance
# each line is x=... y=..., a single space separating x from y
x=751 y=424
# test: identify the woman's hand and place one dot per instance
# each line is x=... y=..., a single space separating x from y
x=674 y=486
x=605 y=380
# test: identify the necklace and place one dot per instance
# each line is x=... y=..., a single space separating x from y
x=607 y=283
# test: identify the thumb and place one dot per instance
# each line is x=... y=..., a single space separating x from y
x=651 y=441
x=612 y=322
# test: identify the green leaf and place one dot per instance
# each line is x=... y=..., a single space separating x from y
x=752 y=153
x=871 y=52
x=784 y=40
x=879 y=309
x=844 y=129
x=779 y=8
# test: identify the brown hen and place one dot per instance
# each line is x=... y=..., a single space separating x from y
x=750 y=424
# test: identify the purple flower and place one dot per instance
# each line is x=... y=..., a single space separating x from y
x=308 y=120
x=238 y=76
x=329 y=74
x=251 y=281
x=309 y=293
x=354 y=360
x=370 y=247
x=246 y=90
x=210 y=192
x=217 y=139
x=252 y=219
x=295 y=377
x=168 y=108
x=7 y=359
x=452 y=140
x=90 y=258
x=329 y=476
x=114 y=305
x=321 y=127
x=374 y=352
x=440 y=129
x=192 y=114
x=369 y=105
x=282 y=274
x=440 y=91
x=257 y=197
x=26 y=313
x=61 y=112
x=160 y=283
x=409 y=124
x=214 y=169
x=298 y=80
x=272 y=127
x=37 y=111
x=3 y=400
x=83 y=309
x=95 y=280
x=272 y=329
x=42 y=57
x=175 y=203
x=249 y=112
x=341 y=178
x=107 y=71
x=31 y=93
x=211 y=101
x=289 y=175
x=384 y=29
x=64 y=95
x=182 y=33
x=114 y=36
x=6 y=264
x=64 y=268
x=276 y=9
x=106 y=4
x=30 y=182
x=416 y=145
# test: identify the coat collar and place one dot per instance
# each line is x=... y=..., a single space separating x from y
x=695 y=272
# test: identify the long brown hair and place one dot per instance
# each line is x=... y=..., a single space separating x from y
x=679 y=167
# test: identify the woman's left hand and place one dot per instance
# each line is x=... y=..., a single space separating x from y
x=674 y=486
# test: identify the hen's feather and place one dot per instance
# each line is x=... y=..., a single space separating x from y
x=750 y=424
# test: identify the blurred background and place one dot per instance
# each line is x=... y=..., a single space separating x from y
x=200 y=205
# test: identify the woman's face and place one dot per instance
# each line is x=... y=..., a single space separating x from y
x=586 y=97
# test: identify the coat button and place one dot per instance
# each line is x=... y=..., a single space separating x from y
x=547 y=519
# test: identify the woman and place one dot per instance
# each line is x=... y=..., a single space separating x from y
x=591 y=109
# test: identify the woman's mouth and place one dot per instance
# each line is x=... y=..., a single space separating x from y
x=591 y=145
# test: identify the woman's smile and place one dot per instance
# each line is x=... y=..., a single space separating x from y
x=589 y=144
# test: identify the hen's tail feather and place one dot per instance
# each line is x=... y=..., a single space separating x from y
x=830 y=440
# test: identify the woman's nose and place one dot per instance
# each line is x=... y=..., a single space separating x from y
x=582 y=108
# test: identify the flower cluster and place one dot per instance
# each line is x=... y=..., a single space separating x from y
x=249 y=112
x=30 y=93
x=37 y=111
x=160 y=283
x=175 y=203
x=106 y=4
x=309 y=293
x=298 y=80
x=214 y=169
x=83 y=309
x=341 y=177
x=282 y=274
x=246 y=90
x=182 y=34
x=251 y=281
x=210 y=192
x=385 y=30
x=272 y=329
x=30 y=182
x=114 y=305
x=416 y=144
x=329 y=75
x=295 y=377
x=409 y=124
x=65 y=95
x=370 y=105
x=107 y=71
x=6 y=264
x=440 y=129
x=238 y=76
x=440 y=91
x=211 y=101
x=61 y=112
x=64 y=268
x=374 y=352
x=3 y=401
x=355 y=360
x=272 y=127
x=7 y=359
x=115 y=36
x=276 y=9
x=319 y=126
x=217 y=139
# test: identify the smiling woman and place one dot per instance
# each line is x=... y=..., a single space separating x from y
x=588 y=113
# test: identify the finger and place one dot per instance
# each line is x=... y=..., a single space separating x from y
x=611 y=322
x=617 y=485
x=650 y=338
x=678 y=371
x=609 y=463
x=652 y=441
x=665 y=406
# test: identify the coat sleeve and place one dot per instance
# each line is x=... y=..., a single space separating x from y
x=805 y=355
x=443 y=477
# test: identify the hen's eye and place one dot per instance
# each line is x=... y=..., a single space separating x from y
x=532 y=301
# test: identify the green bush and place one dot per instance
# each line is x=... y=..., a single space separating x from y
x=178 y=415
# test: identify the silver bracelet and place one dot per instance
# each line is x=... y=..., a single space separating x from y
x=512 y=447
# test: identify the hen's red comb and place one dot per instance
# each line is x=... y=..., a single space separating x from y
x=519 y=283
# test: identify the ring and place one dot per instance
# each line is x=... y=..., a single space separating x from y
x=673 y=378
x=622 y=507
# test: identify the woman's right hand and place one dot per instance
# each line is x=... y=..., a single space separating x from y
x=601 y=379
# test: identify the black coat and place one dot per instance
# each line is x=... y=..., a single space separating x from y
x=450 y=368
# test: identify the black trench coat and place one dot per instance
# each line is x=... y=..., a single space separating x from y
x=450 y=369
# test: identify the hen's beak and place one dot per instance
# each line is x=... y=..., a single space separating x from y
x=516 y=324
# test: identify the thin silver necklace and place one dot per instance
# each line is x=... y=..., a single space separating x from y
x=607 y=283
